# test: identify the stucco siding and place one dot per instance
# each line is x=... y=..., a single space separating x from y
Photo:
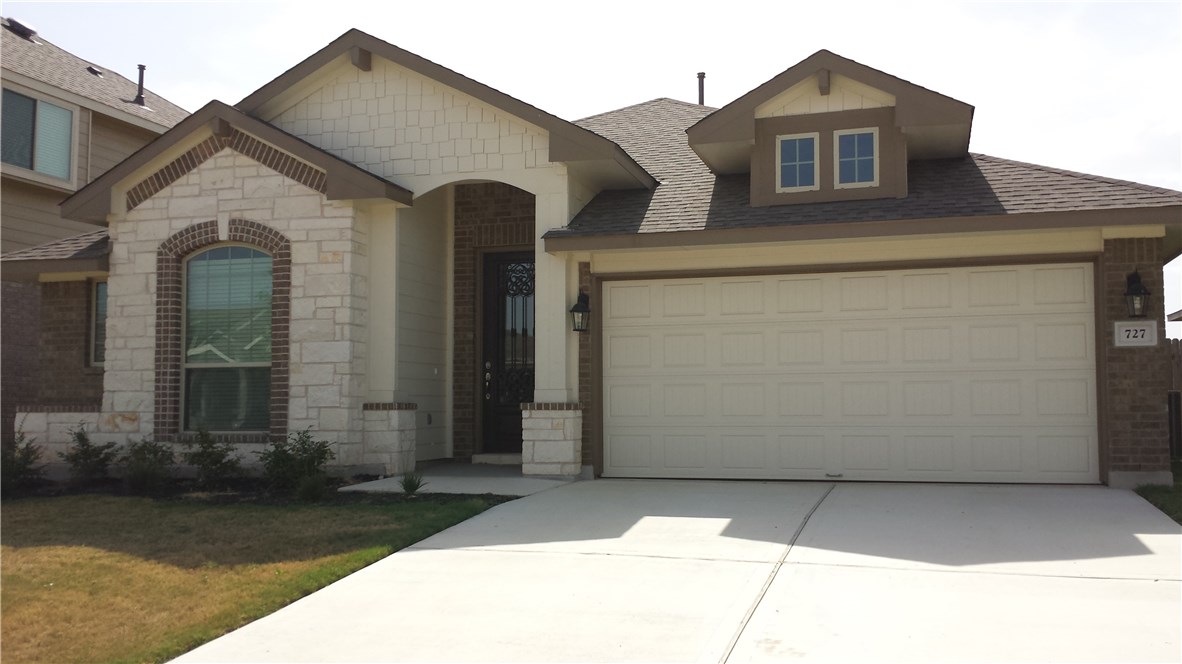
x=422 y=304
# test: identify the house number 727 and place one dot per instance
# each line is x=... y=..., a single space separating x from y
x=1137 y=333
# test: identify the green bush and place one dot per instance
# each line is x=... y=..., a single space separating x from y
x=216 y=462
x=411 y=483
x=88 y=461
x=20 y=467
x=313 y=488
x=147 y=466
x=289 y=462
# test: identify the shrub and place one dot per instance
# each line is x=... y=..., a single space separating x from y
x=289 y=462
x=313 y=488
x=20 y=469
x=88 y=461
x=147 y=466
x=216 y=462
x=411 y=483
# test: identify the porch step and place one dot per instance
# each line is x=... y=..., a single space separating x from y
x=497 y=459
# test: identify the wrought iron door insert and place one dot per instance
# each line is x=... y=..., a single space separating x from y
x=507 y=367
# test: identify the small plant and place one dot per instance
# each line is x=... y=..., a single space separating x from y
x=147 y=466
x=20 y=465
x=88 y=461
x=411 y=483
x=215 y=461
x=292 y=461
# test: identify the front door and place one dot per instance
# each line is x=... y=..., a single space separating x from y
x=507 y=367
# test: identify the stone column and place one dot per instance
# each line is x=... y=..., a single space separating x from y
x=552 y=439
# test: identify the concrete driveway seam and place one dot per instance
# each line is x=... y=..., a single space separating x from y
x=986 y=572
x=767 y=584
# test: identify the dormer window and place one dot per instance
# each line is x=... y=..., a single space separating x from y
x=796 y=158
x=855 y=158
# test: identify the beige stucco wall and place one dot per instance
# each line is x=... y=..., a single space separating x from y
x=329 y=293
x=879 y=250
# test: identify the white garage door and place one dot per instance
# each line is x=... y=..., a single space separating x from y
x=966 y=374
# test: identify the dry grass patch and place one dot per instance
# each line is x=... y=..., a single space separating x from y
x=113 y=579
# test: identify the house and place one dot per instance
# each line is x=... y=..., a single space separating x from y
x=815 y=281
x=66 y=121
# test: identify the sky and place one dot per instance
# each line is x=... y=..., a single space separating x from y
x=1084 y=86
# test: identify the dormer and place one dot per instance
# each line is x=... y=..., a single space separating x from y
x=830 y=129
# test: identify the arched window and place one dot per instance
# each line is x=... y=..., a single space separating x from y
x=227 y=340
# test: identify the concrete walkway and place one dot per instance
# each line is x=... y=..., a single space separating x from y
x=446 y=477
x=683 y=571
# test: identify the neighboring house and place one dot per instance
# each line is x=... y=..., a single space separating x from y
x=65 y=122
x=815 y=281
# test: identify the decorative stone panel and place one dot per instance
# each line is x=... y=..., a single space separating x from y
x=388 y=439
x=1135 y=380
x=552 y=435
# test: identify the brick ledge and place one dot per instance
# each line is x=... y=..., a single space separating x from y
x=551 y=406
x=389 y=405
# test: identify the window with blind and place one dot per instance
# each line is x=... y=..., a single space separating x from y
x=36 y=135
x=227 y=340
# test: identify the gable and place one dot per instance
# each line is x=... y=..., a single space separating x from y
x=843 y=94
x=585 y=154
x=395 y=122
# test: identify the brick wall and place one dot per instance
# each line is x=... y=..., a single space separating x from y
x=20 y=304
x=64 y=374
x=1135 y=380
x=487 y=216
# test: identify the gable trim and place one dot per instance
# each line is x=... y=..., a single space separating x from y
x=568 y=141
x=241 y=143
x=342 y=180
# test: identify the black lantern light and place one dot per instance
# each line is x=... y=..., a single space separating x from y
x=1136 y=296
x=580 y=314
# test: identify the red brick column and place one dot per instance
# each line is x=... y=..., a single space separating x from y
x=489 y=215
x=1134 y=381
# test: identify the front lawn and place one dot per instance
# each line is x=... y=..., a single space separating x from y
x=101 y=578
x=1167 y=498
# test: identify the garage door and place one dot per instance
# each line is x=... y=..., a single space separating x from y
x=968 y=374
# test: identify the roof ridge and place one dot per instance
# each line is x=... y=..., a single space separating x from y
x=1077 y=174
x=645 y=103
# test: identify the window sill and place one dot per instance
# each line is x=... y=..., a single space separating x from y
x=37 y=179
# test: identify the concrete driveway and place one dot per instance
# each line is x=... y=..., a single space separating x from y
x=686 y=571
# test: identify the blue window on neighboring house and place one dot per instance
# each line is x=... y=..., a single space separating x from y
x=797 y=162
x=228 y=340
x=36 y=135
x=856 y=157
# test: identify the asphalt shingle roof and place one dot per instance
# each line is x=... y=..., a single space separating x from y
x=94 y=244
x=42 y=61
x=691 y=198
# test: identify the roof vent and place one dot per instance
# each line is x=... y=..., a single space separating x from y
x=22 y=29
x=701 y=88
x=94 y=70
x=139 y=93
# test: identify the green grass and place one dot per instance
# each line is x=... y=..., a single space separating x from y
x=1167 y=498
x=97 y=578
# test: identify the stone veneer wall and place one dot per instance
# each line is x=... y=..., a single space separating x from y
x=552 y=435
x=1134 y=380
x=389 y=437
x=328 y=296
x=487 y=216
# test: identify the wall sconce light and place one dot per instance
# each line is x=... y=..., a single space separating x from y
x=1136 y=296
x=580 y=314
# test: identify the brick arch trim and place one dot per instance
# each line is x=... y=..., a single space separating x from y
x=170 y=306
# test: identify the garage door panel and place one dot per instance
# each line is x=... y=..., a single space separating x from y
x=967 y=374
